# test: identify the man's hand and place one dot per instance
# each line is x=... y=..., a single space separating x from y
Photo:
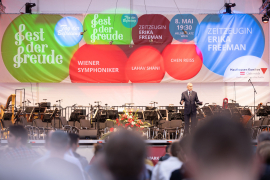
x=182 y=102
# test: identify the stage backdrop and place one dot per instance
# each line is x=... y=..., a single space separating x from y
x=133 y=48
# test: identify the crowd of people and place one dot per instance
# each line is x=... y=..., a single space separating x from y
x=218 y=149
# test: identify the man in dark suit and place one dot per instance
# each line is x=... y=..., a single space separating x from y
x=190 y=98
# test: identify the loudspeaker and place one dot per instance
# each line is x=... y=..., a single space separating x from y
x=88 y=134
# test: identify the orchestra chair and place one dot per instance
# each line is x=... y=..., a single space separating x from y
x=175 y=128
x=256 y=128
x=265 y=124
x=66 y=127
x=40 y=128
x=28 y=126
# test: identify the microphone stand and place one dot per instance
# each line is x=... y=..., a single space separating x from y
x=97 y=119
x=74 y=106
x=255 y=92
x=59 y=102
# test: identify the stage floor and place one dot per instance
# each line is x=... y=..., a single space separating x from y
x=90 y=142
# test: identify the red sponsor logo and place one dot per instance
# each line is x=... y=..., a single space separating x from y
x=242 y=73
x=263 y=70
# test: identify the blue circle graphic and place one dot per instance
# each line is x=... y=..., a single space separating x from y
x=67 y=31
x=183 y=27
x=222 y=38
x=129 y=20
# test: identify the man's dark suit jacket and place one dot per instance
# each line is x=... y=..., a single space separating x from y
x=190 y=105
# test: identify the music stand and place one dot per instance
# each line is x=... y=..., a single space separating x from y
x=151 y=108
x=45 y=104
x=171 y=108
x=207 y=111
x=7 y=116
x=53 y=117
x=267 y=108
x=151 y=116
x=163 y=113
x=112 y=114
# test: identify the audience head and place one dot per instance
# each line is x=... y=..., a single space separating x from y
x=185 y=148
x=222 y=145
x=47 y=139
x=264 y=136
x=97 y=148
x=125 y=153
x=74 y=141
x=175 y=148
x=17 y=136
x=168 y=149
x=59 y=142
x=263 y=152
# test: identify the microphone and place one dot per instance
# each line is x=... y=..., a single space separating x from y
x=74 y=105
x=28 y=101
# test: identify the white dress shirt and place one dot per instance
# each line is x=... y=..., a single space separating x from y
x=164 y=169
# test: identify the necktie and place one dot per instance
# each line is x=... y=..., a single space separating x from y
x=189 y=94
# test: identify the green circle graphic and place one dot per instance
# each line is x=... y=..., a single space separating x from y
x=104 y=28
x=30 y=51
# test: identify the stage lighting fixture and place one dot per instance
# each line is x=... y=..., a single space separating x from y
x=111 y=42
x=28 y=7
x=265 y=19
x=229 y=7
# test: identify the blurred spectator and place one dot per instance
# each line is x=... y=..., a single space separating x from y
x=68 y=157
x=185 y=148
x=222 y=150
x=16 y=159
x=18 y=150
x=263 y=136
x=167 y=155
x=74 y=144
x=55 y=167
x=125 y=155
x=149 y=167
x=263 y=152
x=163 y=169
x=97 y=170
x=97 y=149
